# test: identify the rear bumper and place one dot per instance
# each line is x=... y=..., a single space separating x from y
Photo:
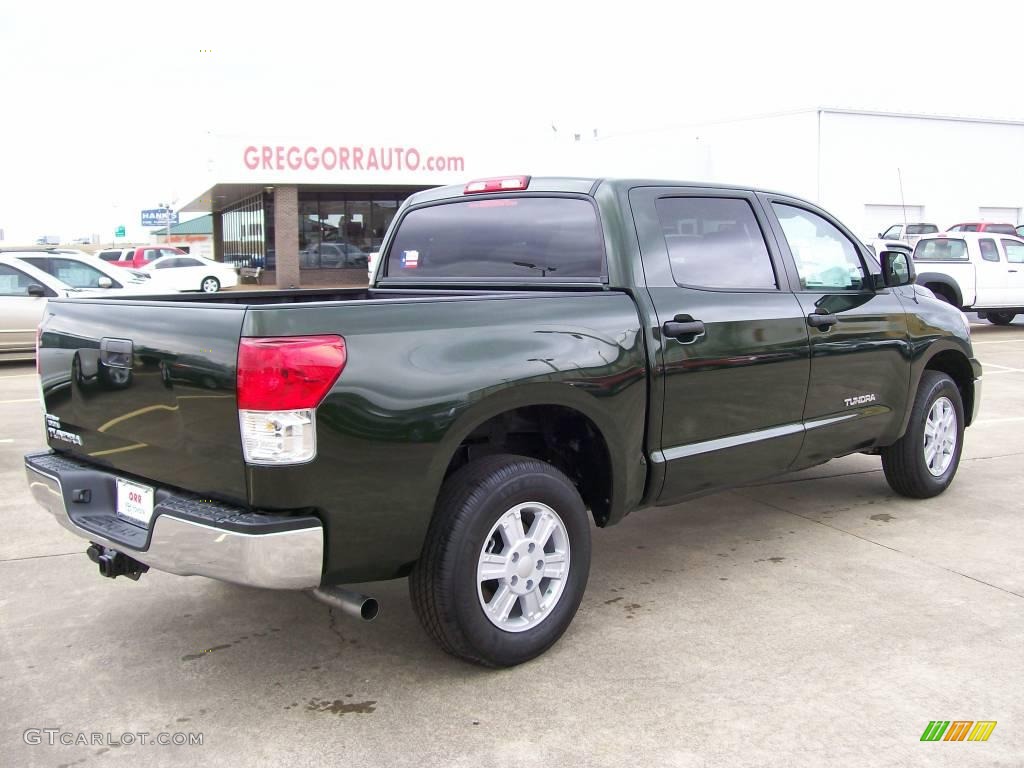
x=186 y=536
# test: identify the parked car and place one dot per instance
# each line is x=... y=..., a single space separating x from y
x=115 y=254
x=24 y=291
x=139 y=256
x=83 y=271
x=533 y=354
x=191 y=273
x=332 y=255
x=984 y=226
x=907 y=233
x=979 y=272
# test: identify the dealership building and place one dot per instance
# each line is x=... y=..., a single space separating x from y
x=306 y=209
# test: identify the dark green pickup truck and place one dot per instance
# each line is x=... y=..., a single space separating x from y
x=533 y=353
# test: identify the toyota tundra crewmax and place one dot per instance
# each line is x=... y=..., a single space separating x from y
x=533 y=355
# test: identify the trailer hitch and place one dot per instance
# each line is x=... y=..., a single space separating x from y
x=113 y=563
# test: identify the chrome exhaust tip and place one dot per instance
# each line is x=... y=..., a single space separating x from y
x=354 y=604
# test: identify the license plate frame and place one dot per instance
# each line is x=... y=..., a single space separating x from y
x=134 y=502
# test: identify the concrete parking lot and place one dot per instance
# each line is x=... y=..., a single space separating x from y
x=816 y=620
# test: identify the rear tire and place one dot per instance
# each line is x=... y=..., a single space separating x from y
x=503 y=515
x=923 y=462
x=1000 y=318
x=209 y=285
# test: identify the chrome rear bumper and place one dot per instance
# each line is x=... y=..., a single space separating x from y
x=288 y=559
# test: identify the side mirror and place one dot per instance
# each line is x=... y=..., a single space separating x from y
x=897 y=268
x=104 y=282
x=36 y=290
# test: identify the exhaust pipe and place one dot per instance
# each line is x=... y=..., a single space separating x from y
x=354 y=604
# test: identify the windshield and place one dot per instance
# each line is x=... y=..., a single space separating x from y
x=944 y=249
x=526 y=237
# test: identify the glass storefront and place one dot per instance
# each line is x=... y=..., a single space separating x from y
x=244 y=232
x=340 y=227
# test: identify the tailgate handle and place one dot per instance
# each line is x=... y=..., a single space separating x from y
x=116 y=353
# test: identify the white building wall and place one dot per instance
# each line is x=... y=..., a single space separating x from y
x=951 y=168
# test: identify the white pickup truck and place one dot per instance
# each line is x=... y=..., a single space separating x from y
x=979 y=272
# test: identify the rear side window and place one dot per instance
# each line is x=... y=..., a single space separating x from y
x=989 y=252
x=1000 y=229
x=921 y=229
x=715 y=242
x=1014 y=251
x=945 y=249
x=110 y=255
x=523 y=237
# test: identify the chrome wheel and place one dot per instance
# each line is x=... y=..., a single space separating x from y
x=523 y=567
x=940 y=433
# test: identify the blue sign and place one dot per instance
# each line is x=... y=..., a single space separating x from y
x=157 y=217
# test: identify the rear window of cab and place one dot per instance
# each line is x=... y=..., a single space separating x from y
x=553 y=238
x=941 y=249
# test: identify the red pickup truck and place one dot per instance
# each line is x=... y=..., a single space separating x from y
x=134 y=258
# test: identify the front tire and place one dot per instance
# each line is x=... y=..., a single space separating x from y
x=1000 y=318
x=209 y=285
x=923 y=462
x=505 y=562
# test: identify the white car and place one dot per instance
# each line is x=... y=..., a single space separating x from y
x=24 y=290
x=190 y=273
x=979 y=272
x=84 y=271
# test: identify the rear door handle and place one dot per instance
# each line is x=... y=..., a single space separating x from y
x=816 y=320
x=686 y=330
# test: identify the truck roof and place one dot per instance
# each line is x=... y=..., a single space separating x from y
x=579 y=185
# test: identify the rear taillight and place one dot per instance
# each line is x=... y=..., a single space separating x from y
x=281 y=381
x=503 y=184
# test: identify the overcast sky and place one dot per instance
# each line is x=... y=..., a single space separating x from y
x=106 y=106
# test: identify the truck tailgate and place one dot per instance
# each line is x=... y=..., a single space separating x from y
x=146 y=388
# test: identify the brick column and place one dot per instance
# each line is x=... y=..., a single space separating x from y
x=286 y=235
x=218 y=236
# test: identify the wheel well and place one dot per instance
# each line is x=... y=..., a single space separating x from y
x=958 y=368
x=559 y=435
x=945 y=290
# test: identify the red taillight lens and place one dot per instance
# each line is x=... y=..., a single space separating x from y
x=287 y=372
x=503 y=184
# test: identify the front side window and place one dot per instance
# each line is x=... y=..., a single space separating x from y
x=989 y=252
x=826 y=259
x=715 y=242
x=75 y=273
x=893 y=232
x=500 y=237
x=13 y=282
x=183 y=262
x=969 y=228
x=165 y=264
x=110 y=255
x=1014 y=251
x=941 y=249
